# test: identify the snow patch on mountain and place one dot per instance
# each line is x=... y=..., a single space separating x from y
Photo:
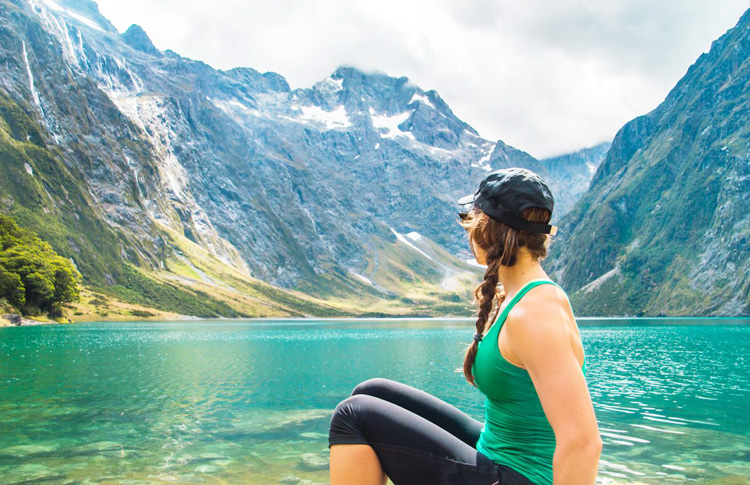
x=54 y=5
x=330 y=85
x=364 y=279
x=51 y=4
x=336 y=118
x=387 y=126
x=421 y=98
x=232 y=106
x=484 y=162
x=85 y=20
x=406 y=241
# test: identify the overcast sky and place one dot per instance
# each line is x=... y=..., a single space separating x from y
x=546 y=76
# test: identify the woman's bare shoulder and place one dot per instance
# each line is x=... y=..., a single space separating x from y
x=543 y=309
x=543 y=303
x=542 y=319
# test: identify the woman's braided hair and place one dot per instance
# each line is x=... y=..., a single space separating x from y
x=501 y=244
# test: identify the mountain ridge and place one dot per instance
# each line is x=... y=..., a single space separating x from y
x=660 y=231
x=314 y=189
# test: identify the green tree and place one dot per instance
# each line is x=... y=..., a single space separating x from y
x=11 y=288
x=33 y=277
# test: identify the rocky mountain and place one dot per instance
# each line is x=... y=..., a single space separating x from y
x=570 y=175
x=147 y=168
x=664 y=228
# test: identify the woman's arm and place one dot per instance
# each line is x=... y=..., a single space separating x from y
x=539 y=334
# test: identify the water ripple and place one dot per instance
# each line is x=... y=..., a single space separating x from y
x=251 y=401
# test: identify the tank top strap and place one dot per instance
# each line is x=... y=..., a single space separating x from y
x=525 y=289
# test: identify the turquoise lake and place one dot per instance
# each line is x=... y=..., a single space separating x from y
x=250 y=401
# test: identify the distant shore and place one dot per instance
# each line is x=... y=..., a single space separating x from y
x=16 y=320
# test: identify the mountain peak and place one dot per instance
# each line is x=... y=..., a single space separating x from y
x=351 y=72
x=138 y=39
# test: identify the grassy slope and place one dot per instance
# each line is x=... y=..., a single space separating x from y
x=413 y=281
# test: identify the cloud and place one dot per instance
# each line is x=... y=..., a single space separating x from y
x=545 y=76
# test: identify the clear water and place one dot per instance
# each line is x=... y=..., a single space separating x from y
x=250 y=402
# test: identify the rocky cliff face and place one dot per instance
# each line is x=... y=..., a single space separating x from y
x=664 y=228
x=315 y=189
x=570 y=175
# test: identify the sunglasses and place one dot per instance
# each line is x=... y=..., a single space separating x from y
x=463 y=215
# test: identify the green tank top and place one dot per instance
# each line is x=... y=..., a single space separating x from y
x=516 y=432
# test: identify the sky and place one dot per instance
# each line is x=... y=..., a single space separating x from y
x=545 y=76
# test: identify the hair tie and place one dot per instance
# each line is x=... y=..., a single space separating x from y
x=478 y=337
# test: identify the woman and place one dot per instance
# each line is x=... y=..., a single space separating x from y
x=539 y=425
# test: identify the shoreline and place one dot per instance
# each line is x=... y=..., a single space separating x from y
x=582 y=321
x=16 y=320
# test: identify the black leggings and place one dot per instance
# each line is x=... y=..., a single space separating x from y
x=419 y=439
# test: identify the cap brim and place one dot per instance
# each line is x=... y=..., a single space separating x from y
x=468 y=199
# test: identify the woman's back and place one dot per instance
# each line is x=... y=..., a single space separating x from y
x=517 y=432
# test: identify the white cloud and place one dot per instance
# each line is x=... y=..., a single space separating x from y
x=545 y=76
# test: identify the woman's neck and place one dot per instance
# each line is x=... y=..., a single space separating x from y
x=526 y=269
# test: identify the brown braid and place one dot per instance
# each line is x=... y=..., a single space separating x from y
x=501 y=244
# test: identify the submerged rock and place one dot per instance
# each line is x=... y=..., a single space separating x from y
x=290 y=480
x=32 y=472
x=313 y=461
x=312 y=435
x=270 y=422
x=99 y=447
x=210 y=457
x=26 y=451
x=206 y=469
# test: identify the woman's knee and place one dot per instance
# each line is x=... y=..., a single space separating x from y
x=348 y=423
x=373 y=387
x=347 y=408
